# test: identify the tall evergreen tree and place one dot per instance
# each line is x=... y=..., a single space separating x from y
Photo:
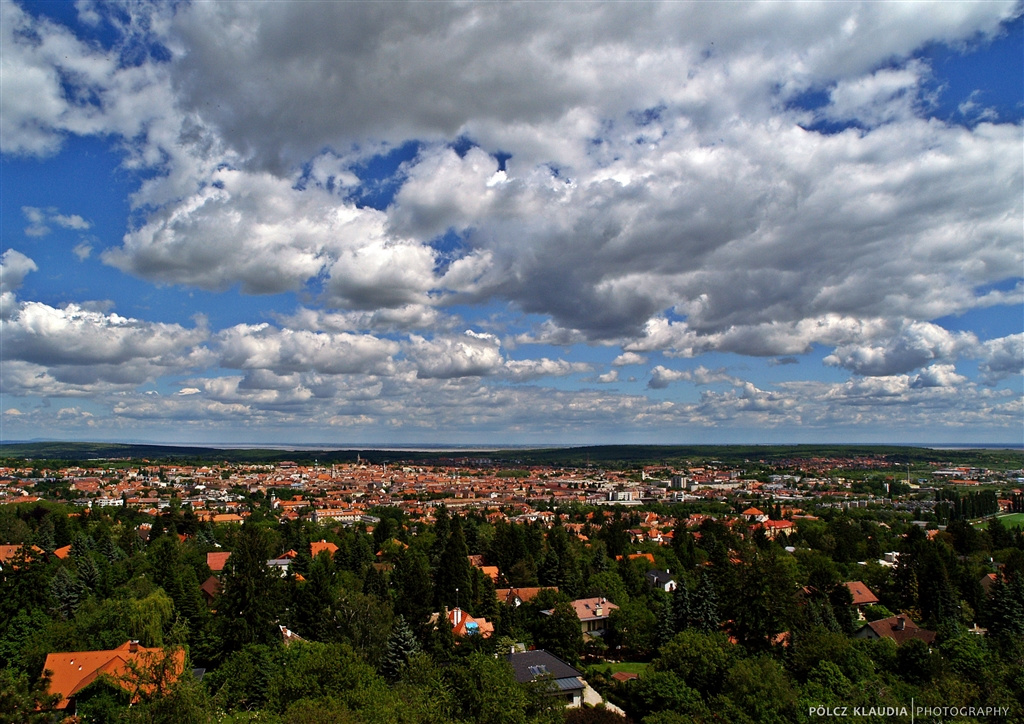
x=1006 y=609
x=454 y=575
x=247 y=606
x=414 y=588
x=704 y=606
x=400 y=647
x=66 y=592
x=681 y=606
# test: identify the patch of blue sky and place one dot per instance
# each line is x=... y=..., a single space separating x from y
x=986 y=322
x=968 y=84
x=979 y=76
x=449 y=246
x=137 y=50
x=380 y=175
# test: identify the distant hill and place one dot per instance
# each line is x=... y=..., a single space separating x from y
x=595 y=455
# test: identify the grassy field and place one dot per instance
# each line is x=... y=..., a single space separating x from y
x=630 y=667
x=1012 y=520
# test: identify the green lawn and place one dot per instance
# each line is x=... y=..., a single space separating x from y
x=1012 y=520
x=630 y=667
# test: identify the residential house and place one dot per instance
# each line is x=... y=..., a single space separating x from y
x=754 y=515
x=209 y=589
x=988 y=581
x=593 y=614
x=322 y=546
x=662 y=580
x=136 y=669
x=898 y=628
x=465 y=625
x=562 y=680
x=519 y=596
x=862 y=596
x=217 y=560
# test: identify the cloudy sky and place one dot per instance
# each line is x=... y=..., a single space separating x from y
x=340 y=223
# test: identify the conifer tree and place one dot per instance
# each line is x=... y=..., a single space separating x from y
x=400 y=647
x=66 y=592
x=681 y=606
x=247 y=604
x=414 y=594
x=454 y=576
x=1006 y=609
x=705 y=606
x=666 y=624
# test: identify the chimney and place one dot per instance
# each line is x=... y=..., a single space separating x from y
x=458 y=616
x=901 y=623
x=133 y=646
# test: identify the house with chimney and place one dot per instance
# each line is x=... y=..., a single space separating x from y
x=463 y=624
x=138 y=670
x=899 y=628
x=593 y=614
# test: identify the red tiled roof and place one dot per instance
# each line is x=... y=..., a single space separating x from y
x=862 y=595
x=217 y=560
x=318 y=547
x=507 y=595
x=900 y=629
x=71 y=672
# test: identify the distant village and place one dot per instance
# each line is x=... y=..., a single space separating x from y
x=347 y=493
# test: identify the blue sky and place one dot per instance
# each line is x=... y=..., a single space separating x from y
x=359 y=223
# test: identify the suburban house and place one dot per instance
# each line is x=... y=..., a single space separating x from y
x=898 y=628
x=216 y=560
x=465 y=625
x=136 y=669
x=593 y=614
x=862 y=596
x=11 y=554
x=988 y=581
x=563 y=681
x=774 y=528
x=519 y=596
x=754 y=515
x=662 y=580
x=322 y=546
x=209 y=589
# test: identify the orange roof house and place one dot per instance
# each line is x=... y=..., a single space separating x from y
x=321 y=546
x=136 y=669
x=217 y=560
x=517 y=596
x=465 y=625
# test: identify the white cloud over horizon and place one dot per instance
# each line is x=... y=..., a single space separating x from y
x=592 y=187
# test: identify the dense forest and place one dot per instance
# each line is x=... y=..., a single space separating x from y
x=757 y=630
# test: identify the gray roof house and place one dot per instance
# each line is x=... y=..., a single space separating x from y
x=565 y=682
